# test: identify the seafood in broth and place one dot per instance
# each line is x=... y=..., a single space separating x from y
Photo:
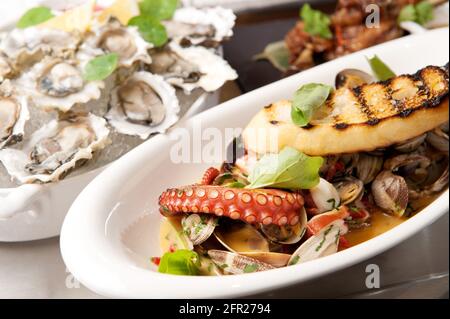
x=370 y=153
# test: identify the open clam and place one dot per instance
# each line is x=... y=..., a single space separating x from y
x=324 y=243
x=350 y=189
x=438 y=138
x=198 y=227
x=240 y=237
x=236 y=263
x=286 y=234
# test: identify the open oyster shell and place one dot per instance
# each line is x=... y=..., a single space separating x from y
x=13 y=115
x=26 y=45
x=115 y=38
x=207 y=27
x=142 y=105
x=56 y=148
x=192 y=68
x=55 y=83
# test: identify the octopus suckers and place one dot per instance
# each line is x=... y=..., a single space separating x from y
x=261 y=199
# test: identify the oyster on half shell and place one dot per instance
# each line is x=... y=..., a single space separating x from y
x=24 y=45
x=207 y=27
x=191 y=68
x=143 y=104
x=115 y=38
x=13 y=115
x=56 y=148
x=56 y=83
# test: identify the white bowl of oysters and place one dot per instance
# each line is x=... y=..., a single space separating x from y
x=80 y=88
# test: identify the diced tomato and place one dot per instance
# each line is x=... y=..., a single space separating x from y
x=156 y=260
x=343 y=243
x=337 y=167
x=318 y=222
x=172 y=248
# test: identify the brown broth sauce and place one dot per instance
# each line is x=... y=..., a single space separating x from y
x=381 y=222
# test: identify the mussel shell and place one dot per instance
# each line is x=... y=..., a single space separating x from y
x=351 y=78
x=286 y=234
x=237 y=236
x=237 y=264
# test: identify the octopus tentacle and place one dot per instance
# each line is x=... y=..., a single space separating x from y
x=209 y=176
x=265 y=206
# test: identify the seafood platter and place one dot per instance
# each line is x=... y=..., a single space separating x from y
x=82 y=87
x=334 y=165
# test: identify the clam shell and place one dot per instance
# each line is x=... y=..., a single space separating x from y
x=286 y=234
x=198 y=227
x=239 y=237
x=368 y=167
x=322 y=244
x=350 y=189
x=391 y=193
x=351 y=78
x=412 y=144
x=237 y=264
x=271 y=258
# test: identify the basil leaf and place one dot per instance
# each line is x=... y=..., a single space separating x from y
x=159 y=9
x=34 y=16
x=307 y=100
x=101 y=67
x=380 y=69
x=180 y=262
x=250 y=268
x=420 y=13
x=424 y=12
x=408 y=13
x=290 y=169
x=316 y=22
x=276 y=53
x=150 y=29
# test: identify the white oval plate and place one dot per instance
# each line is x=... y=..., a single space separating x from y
x=102 y=252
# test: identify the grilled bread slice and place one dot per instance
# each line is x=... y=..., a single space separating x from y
x=365 y=118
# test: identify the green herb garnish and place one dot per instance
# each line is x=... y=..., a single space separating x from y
x=276 y=53
x=180 y=262
x=34 y=16
x=325 y=234
x=333 y=203
x=316 y=22
x=420 y=13
x=295 y=260
x=250 y=268
x=290 y=169
x=307 y=100
x=101 y=67
x=380 y=69
x=158 y=9
x=151 y=29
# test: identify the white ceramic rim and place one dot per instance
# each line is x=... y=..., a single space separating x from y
x=101 y=269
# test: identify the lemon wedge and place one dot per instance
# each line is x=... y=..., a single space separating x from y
x=123 y=10
x=76 y=19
